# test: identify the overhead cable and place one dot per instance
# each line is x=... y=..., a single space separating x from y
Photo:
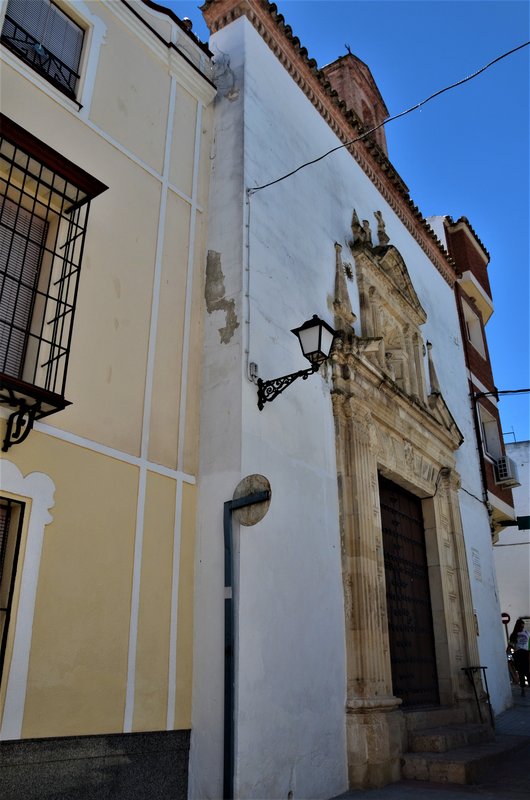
x=498 y=392
x=389 y=119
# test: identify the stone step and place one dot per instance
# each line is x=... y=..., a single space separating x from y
x=448 y=737
x=435 y=717
x=462 y=765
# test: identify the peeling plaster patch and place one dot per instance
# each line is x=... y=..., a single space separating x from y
x=214 y=293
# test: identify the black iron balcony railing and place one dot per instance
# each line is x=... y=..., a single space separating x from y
x=50 y=66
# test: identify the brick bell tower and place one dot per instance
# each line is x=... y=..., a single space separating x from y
x=355 y=86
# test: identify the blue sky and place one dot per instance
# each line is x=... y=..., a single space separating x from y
x=464 y=153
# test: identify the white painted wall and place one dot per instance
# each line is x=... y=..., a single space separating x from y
x=512 y=552
x=475 y=521
x=481 y=566
x=290 y=681
x=220 y=467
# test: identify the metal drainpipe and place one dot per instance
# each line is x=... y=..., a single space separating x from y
x=228 y=746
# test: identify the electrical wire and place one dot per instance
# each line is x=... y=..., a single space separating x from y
x=437 y=486
x=478 y=395
x=390 y=119
x=511 y=544
x=474 y=496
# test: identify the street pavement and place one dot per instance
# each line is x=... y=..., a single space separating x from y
x=508 y=779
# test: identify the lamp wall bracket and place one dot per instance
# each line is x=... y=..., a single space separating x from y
x=268 y=390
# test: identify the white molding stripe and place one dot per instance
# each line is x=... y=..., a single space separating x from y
x=139 y=162
x=111 y=452
x=181 y=64
x=89 y=68
x=40 y=489
x=190 y=79
x=189 y=289
x=135 y=604
x=69 y=105
x=173 y=623
x=146 y=422
x=172 y=673
x=157 y=278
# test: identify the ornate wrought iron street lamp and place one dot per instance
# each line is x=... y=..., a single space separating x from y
x=316 y=339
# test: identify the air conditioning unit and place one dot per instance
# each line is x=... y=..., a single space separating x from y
x=506 y=472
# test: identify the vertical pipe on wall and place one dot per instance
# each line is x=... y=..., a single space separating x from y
x=229 y=677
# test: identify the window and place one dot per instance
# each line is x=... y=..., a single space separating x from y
x=47 y=39
x=11 y=516
x=44 y=205
x=473 y=325
x=22 y=239
x=491 y=439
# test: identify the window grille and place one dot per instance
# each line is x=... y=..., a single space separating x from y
x=44 y=205
x=46 y=38
x=11 y=518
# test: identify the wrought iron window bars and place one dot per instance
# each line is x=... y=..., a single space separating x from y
x=49 y=41
x=44 y=205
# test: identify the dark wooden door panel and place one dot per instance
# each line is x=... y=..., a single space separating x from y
x=409 y=612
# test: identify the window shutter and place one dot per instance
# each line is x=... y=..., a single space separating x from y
x=21 y=241
x=54 y=30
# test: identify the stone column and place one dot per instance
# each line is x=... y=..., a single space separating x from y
x=420 y=369
x=411 y=366
x=468 y=654
x=374 y=735
x=375 y=311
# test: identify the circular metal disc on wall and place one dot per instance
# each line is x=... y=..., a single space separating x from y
x=249 y=515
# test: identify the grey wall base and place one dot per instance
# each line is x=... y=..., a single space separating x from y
x=134 y=766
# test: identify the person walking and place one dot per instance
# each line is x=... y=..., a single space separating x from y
x=520 y=640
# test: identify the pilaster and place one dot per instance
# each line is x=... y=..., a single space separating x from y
x=374 y=732
x=469 y=647
x=414 y=390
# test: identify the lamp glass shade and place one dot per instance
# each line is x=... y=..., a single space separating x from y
x=316 y=338
x=326 y=341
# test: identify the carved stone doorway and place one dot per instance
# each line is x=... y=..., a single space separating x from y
x=410 y=624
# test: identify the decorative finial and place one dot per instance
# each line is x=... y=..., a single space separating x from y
x=344 y=316
x=362 y=235
x=381 y=232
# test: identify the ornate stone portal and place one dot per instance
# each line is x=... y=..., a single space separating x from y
x=388 y=423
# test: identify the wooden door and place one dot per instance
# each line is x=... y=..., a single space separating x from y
x=410 y=624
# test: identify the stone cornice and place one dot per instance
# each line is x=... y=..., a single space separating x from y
x=191 y=76
x=184 y=28
x=343 y=122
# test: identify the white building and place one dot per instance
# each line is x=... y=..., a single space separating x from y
x=364 y=458
x=512 y=551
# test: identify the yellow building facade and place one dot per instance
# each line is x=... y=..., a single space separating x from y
x=106 y=104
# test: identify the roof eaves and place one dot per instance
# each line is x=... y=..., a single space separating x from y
x=348 y=116
x=353 y=119
x=171 y=14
